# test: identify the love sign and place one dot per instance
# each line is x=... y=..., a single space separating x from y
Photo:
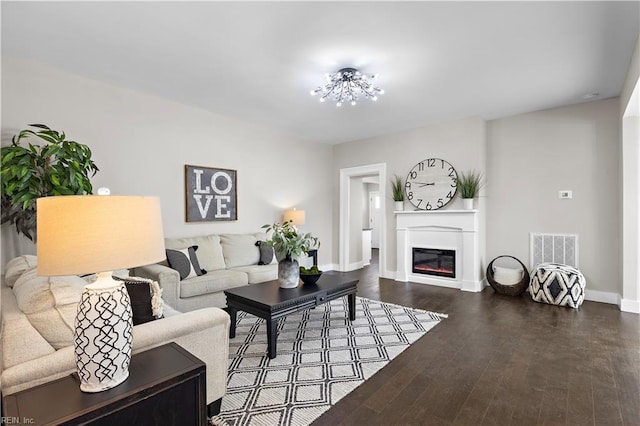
x=210 y=194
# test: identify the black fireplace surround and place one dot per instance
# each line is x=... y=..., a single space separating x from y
x=430 y=261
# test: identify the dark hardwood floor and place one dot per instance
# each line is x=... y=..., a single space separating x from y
x=500 y=360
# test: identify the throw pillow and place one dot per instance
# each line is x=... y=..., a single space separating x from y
x=507 y=276
x=266 y=253
x=185 y=262
x=146 y=299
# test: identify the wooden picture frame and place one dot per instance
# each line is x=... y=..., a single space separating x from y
x=210 y=194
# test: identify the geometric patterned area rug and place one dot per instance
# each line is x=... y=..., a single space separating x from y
x=321 y=357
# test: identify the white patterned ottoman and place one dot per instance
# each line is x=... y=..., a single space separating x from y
x=557 y=284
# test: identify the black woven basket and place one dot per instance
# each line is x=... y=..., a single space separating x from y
x=510 y=290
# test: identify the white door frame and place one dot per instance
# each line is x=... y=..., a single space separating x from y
x=346 y=174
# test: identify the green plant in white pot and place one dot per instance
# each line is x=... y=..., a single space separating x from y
x=289 y=245
x=469 y=185
x=397 y=192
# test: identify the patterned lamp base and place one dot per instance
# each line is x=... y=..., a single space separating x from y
x=103 y=335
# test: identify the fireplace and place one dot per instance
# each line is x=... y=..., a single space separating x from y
x=456 y=230
x=431 y=261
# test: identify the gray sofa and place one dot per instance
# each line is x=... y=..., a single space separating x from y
x=231 y=260
x=37 y=321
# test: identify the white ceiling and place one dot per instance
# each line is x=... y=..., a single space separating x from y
x=437 y=61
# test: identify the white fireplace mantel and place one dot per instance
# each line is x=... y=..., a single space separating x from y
x=445 y=229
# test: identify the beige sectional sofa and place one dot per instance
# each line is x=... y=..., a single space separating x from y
x=231 y=260
x=37 y=322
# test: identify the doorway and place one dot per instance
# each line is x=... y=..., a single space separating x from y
x=347 y=235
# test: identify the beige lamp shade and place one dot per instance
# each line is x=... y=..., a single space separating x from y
x=297 y=217
x=83 y=234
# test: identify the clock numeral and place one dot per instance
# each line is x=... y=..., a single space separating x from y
x=428 y=206
x=407 y=185
x=420 y=167
x=440 y=203
x=419 y=202
x=442 y=166
x=454 y=182
x=413 y=175
x=431 y=162
x=452 y=172
x=449 y=195
x=410 y=195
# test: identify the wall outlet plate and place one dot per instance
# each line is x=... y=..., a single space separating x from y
x=565 y=194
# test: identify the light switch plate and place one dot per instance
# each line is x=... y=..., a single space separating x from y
x=565 y=194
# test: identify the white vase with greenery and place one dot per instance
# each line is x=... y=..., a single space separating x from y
x=397 y=192
x=289 y=246
x=469 y=185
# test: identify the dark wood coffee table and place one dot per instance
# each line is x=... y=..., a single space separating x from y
x=269 y=301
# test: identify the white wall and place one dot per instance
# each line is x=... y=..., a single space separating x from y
x=141 y=144
x=633 y=74
x=630 y=186
x=357 y=192
x=462 y=143
x=631 y=214
x=533 y=156
x=368 y=188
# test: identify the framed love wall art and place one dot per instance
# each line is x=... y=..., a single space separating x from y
x=211 y=194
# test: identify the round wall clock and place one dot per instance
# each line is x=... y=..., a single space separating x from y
x=431 y=184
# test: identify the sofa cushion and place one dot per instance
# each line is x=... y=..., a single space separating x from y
x=213 y=282
x=16 y=266
x=185 y=261
x=241 y=249
x=50 y=304
x=21 y=342
x=210 y=254
x=259 y=273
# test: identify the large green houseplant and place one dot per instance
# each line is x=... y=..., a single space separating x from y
x=59 y=167
x=288 y=245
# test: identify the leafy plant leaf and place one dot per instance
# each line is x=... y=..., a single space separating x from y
x=59 y=167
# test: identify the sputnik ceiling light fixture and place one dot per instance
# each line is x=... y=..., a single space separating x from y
x=347 y=85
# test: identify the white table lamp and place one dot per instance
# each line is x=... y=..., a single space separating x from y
x=84 y=234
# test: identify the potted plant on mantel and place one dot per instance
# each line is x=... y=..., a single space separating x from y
x=397 y=193
x=61 y=167
x=469 y=185
x=288 y=246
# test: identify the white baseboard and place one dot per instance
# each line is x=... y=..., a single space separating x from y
x=629 y=305
x=391 y=275
x=602 y=297
x=329 y=267
x=354 y=266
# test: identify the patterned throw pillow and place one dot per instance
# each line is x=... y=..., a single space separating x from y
x=266 y=253
x=146 y=299
x=185 y=262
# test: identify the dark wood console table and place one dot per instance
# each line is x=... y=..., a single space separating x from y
x=269 y=301
x=166 y=385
